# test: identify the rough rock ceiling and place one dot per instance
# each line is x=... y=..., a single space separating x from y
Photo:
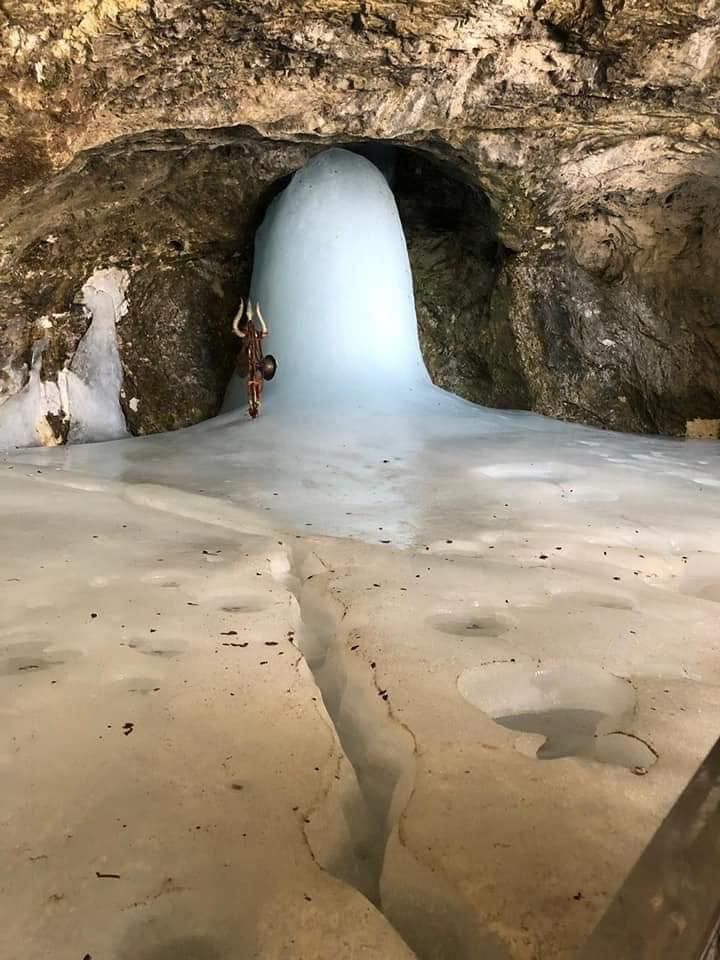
x=547 y=93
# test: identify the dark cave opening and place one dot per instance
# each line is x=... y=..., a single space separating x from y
x=456 y=258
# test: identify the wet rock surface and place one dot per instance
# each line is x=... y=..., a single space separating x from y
x=457 y=262
x=577 y=144
x=181 y=219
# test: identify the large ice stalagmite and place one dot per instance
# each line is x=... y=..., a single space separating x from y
x=333 y=279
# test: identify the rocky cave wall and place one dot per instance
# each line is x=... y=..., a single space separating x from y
x=566 y=255
x=180 y=217
x=457 y=262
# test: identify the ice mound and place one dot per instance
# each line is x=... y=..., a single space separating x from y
x=333 y=278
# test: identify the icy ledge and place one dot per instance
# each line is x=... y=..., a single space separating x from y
x=84 y=404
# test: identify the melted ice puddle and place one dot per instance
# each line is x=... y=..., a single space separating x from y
x=573 y=733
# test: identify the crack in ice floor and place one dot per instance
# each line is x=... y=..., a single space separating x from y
x=381 y=751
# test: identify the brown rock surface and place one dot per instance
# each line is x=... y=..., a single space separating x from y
x=149 y=132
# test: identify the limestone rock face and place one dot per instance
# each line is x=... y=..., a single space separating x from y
x=181 y=219
x=576 y=144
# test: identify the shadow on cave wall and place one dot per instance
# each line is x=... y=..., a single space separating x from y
x=457 y=262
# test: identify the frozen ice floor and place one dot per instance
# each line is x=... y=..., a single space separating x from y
x=281 y=688
x=381 y=674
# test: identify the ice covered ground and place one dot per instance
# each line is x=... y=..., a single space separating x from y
x=367 y=670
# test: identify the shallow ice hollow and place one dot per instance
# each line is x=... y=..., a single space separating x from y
x=579 y=710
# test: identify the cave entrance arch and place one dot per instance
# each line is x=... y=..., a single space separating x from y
x=179 y=209
x=455 y=257
x=332 y=274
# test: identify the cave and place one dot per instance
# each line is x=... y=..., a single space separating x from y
x=421 y=661
x=185 y=215
x=566 y=327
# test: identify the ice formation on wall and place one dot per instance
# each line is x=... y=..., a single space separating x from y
x=24 y=416
x=94 y=379
x=87 y=395
x=333 y=278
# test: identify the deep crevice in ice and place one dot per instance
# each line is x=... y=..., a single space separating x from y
x=378 y=751
x=427 y=913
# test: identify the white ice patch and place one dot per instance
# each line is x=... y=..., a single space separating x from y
x=88 y=394
x=23 y=417
x=94 y=379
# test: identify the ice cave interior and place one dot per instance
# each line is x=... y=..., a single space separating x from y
x=381 y=673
